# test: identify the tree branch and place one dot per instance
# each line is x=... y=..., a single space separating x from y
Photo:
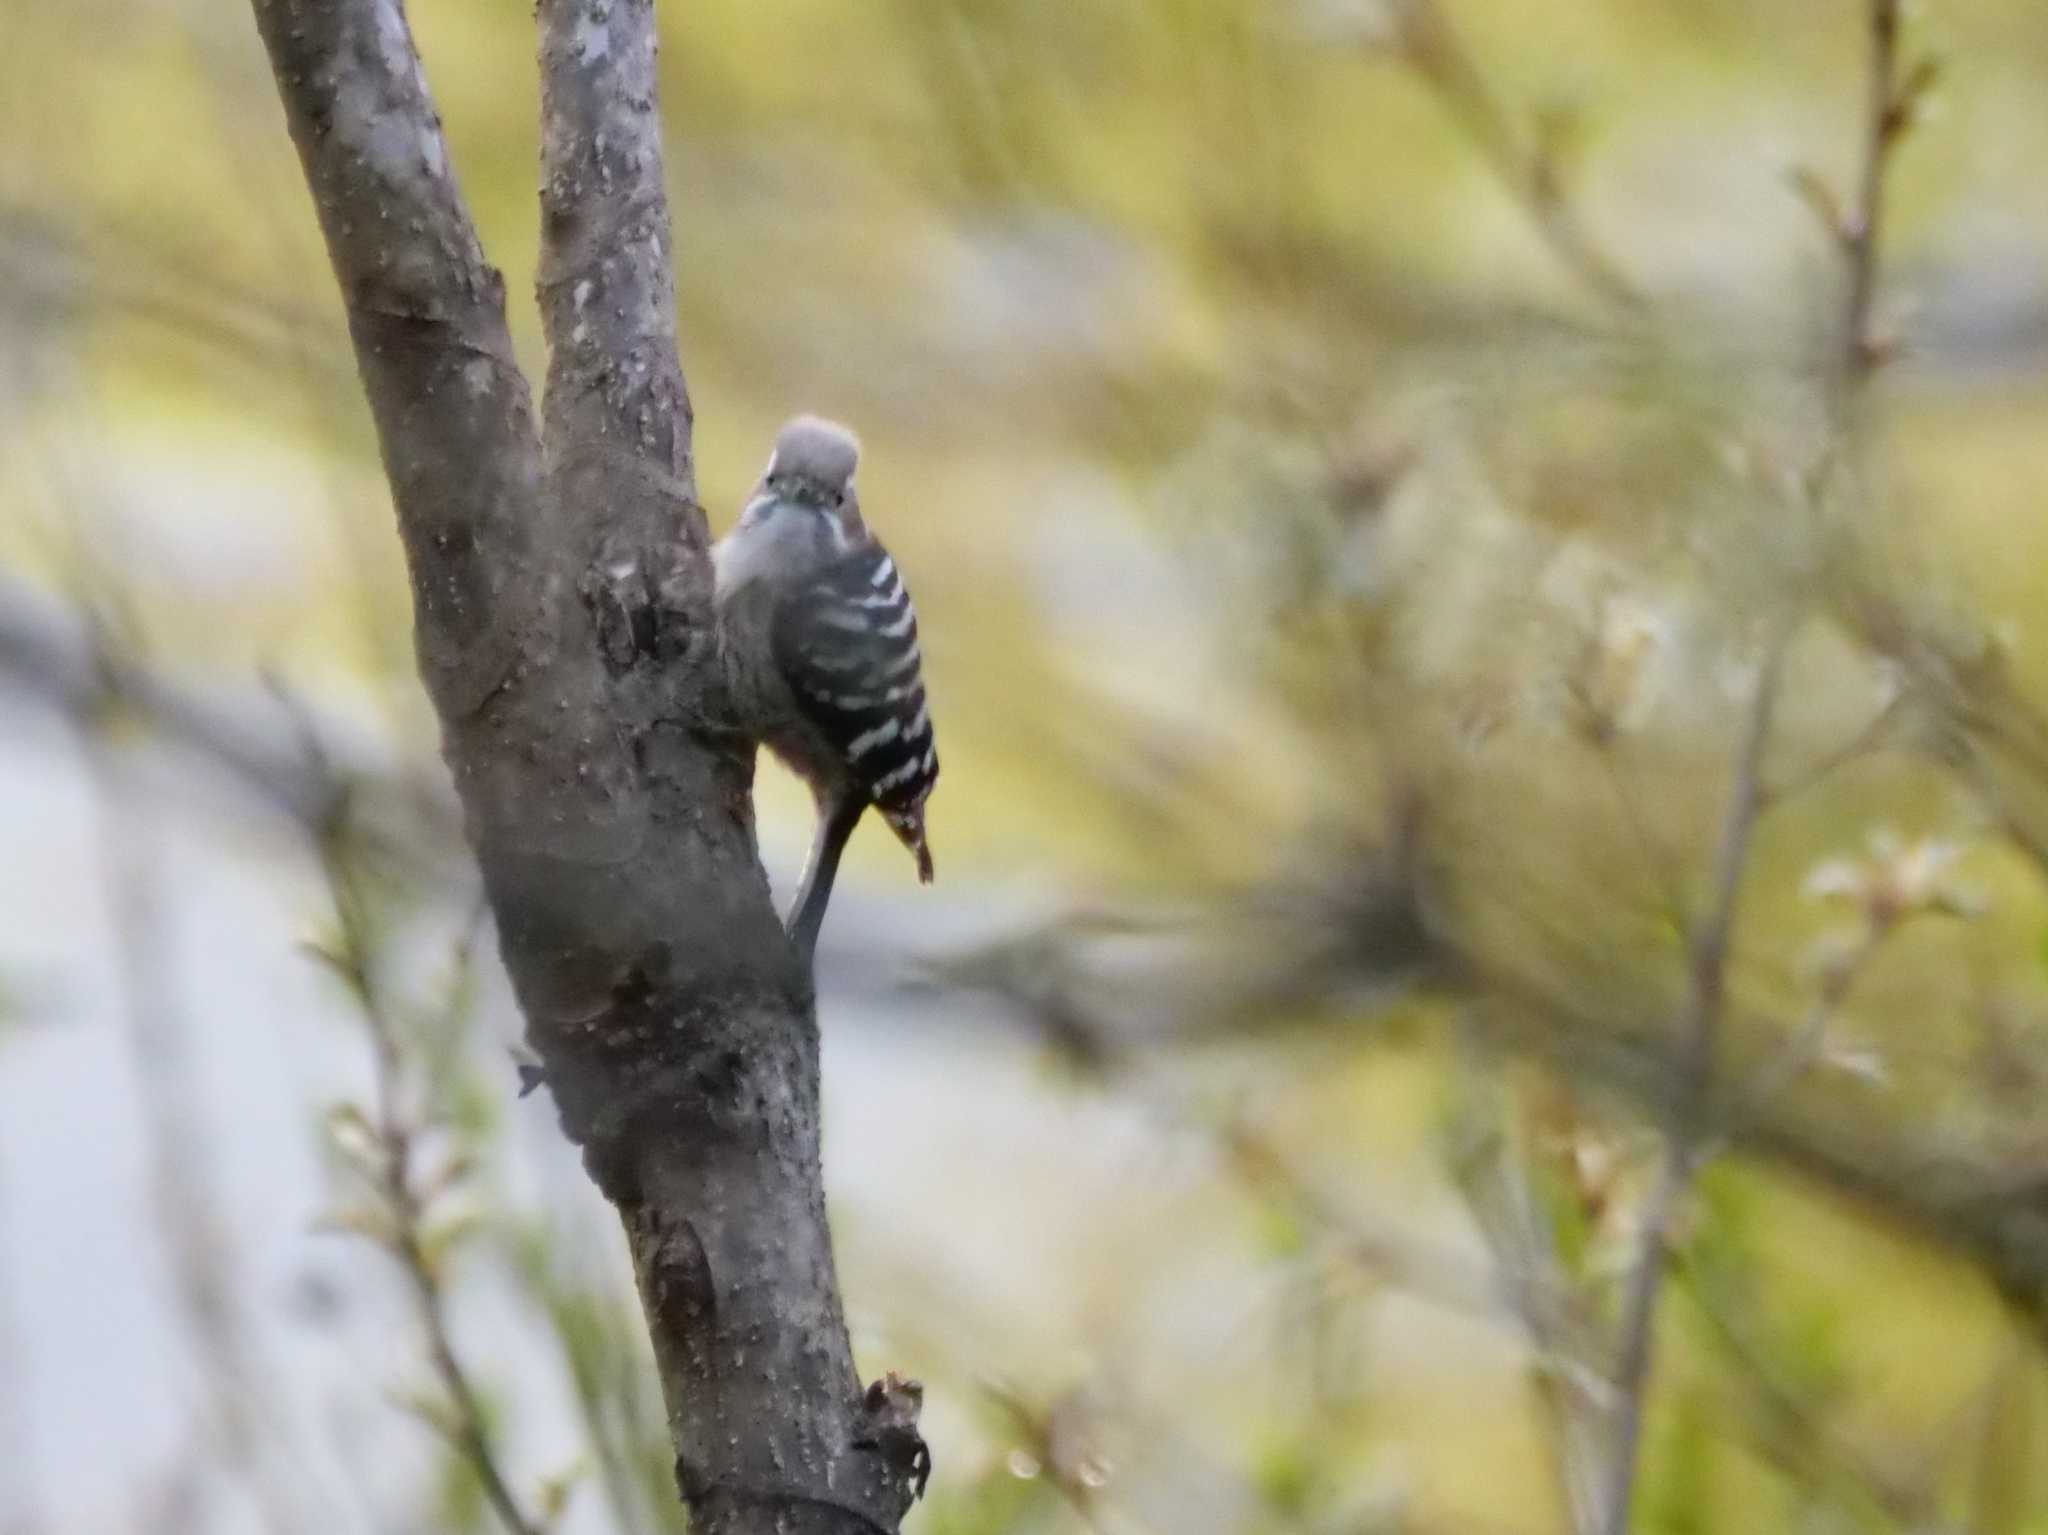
x=1078 y=1001
x=1685 y=1138
x=606 y=281
x=252 y=737
x=1529 y=174
x=406 y=1209
x=1885 y=119
x=426 y=313
x=1697 y=1032
x=563 y=622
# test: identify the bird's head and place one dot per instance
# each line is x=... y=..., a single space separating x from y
x=804 y=512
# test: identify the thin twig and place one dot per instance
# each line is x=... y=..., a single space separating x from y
x=63 y=653
x=1638 y=1331
x=1492 y=1173
x=1697 y=1030
x=466 y=1428
x=1791 y=1415
x=1656 y=854
x=1810 y=1039
x=1865 y=741
x=1262 y=1169
x=1886 y=118
x=1530 y=174
x=611 y=1387
x=1525 y=1287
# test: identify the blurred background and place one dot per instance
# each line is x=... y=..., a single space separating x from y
x=1359 y=463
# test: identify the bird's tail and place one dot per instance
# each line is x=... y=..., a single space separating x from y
x=909 y=826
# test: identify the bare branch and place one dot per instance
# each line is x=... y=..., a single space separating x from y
x=1491 y=1169
x=404 y=1208
x=1886 y=118
x=1530 y=173
x=1889 y=115
x=1659 y=860
x=1795 y=1435
x=1377 y=1249
x=1809 y=1041
x=607 y=284
x=1977 y=1206
x=427 y=315
x=1981 y=1208
x=72 y=663
x=1697 y=1031
x=1871 y=738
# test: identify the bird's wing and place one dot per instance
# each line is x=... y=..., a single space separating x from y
x=846 y=642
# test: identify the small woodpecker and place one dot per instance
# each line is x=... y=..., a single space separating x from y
x=819 y=645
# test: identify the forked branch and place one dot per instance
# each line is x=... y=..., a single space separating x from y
x=562 y=607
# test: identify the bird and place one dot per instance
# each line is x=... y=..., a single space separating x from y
x=819 y=650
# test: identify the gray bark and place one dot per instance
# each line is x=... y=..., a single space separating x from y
x=563 y=626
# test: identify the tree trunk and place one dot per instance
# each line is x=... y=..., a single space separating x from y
x=563 y=622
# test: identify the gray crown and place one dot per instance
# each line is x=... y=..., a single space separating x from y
x=814 y=449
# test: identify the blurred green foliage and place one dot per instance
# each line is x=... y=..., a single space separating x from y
x=1264 y=468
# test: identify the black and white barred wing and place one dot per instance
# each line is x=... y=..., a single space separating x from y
x=847 y=645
